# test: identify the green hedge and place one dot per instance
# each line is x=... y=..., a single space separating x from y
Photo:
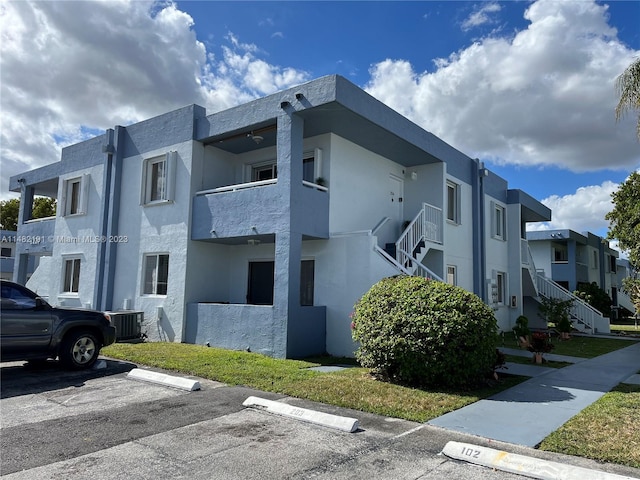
x=422 y=332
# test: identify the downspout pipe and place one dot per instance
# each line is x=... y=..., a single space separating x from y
x=113 y=219
x=479 y=173
x=105 y=269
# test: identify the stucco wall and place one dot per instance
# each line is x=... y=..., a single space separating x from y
x=458 y=239
x=76 y=236
x=346 y=267
x=158 y=228
x=497 y=260
x=541 y=253
x=359 y=189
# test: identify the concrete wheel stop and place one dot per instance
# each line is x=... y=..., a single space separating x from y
x=345 y=424
x=523 y=465
x=163 y=379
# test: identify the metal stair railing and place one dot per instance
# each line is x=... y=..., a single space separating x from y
x=419 y=270
x=527 y=259
x=624 y=300
x=580 y=310
x=425 y=227
x=391 y=260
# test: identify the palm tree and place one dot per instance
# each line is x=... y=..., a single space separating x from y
x=628 y=87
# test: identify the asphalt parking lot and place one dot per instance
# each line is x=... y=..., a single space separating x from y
x=100 y=424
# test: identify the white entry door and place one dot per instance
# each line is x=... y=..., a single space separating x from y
x=396 y=193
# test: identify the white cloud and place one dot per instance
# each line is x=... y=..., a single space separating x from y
x=71 y=66
x=544 y=96
x=481 y=16
x=581 y=211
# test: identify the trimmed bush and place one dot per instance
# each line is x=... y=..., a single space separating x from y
x=422 y=332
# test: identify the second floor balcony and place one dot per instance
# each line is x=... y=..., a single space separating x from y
x=36 y=236
x=259 y=208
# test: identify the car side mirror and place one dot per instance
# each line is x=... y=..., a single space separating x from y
x=41 y=304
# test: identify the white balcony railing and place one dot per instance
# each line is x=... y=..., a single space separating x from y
x=260 y=183
x=239 y=186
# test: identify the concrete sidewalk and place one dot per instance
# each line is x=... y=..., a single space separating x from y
x=530 y=411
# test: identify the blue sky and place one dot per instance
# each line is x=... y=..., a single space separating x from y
x=525 y=86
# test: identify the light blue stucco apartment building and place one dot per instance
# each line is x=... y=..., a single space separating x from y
x=260 y=226
x=568 y=259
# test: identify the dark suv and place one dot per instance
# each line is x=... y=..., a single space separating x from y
x=34 y=330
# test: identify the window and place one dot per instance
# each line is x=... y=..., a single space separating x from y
x=156 y=274
x=560 y=255
x=261 y=172
x=451 y=275
x=75 y=195
x=306 y=282
x=499 y=222
x=500 y=288
x=453 y=202
x=158 y=179
x=309 y=169
x=71 y=275
x=312 y=166
x=14 y=298
x=5 y=252
x=595 y=259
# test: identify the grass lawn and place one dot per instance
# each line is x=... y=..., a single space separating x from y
x=628 y=329
x=585 y=347
x=606 y=430
x=350 y=388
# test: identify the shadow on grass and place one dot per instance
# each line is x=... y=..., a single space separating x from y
x=329 y=361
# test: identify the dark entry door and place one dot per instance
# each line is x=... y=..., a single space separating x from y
x=260 y=291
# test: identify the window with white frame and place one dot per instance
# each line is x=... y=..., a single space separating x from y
x=75 y=195
x=501 y=288
x=158 y=179
x=453 y=202
x=309 y=168
x=71 y=279
x=264 y=171
x=452 y=275
x=155 y=274
x=499 y=223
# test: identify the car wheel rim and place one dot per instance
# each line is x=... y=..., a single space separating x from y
x=83 y=350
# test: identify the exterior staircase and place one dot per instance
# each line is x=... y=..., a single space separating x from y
x=584 y=317
x=625 y=302
x=415 y=241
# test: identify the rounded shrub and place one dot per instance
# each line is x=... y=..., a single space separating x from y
x=422 y=332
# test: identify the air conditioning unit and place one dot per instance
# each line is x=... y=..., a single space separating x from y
x=128 y=324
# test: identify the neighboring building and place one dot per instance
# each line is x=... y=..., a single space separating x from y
x=8 y=240
x=569 y=259
x=260 y=226
x=7 y=253
x=624 y=270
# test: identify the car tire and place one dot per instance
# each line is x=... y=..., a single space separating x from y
x=79 y=349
